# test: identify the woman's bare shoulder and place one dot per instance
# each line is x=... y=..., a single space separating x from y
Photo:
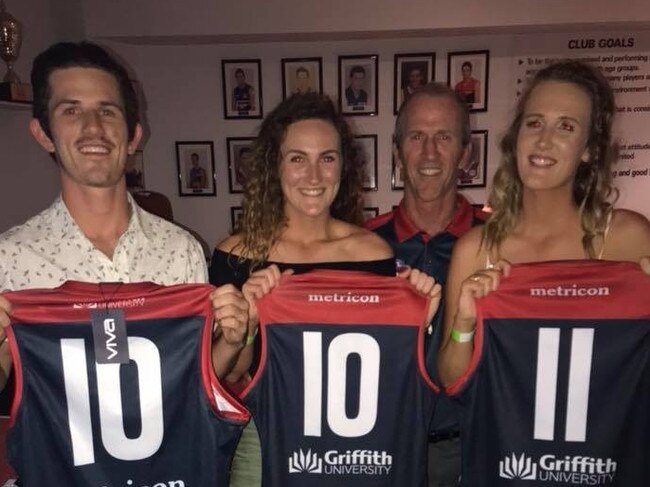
x=361 y=244
x=628 y=237
x=229 y=243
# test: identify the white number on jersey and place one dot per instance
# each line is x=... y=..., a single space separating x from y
x=75 y=373
x=341 y=347
x=548 y=349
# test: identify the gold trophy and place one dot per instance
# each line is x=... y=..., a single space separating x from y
x=11 y=89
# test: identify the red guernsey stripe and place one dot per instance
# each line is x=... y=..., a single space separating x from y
x=345 y=295
x=570 y=289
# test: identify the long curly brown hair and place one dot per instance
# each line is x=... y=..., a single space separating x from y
x=593 y=191
x=263 y=207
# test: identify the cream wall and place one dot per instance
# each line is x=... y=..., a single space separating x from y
x=278 y=17
x=28 y=176
x=182 y=82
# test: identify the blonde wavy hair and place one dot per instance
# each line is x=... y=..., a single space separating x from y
x=593 y=190
x=263 y=206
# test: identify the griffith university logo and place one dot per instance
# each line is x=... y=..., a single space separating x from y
x=334 y=462
x=574 y=470
x=308 y=463
x=518 y=468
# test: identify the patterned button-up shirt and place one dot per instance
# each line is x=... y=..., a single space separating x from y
x=50 y=249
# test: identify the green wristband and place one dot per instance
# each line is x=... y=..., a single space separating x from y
x=462 y=337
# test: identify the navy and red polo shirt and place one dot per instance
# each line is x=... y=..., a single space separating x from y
x=431 y=254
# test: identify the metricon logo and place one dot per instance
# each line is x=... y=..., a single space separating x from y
x=572 y=291
x=343 y=298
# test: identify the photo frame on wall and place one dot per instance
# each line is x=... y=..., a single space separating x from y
x=242 y=88
x=370 y=212
x=468 y=74
x=396 y=181
x=236 y=213
x=302 y=75
x=368 y=144
x=411 y=71
x=358 y=82
x=134 y=171
x=238 y=148
x=472 y=171
x=195 y=164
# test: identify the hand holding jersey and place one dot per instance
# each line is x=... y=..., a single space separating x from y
x=263 y=281
x=5 y=355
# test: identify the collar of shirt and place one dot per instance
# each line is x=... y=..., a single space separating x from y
x=460 y=223
x=62 y=220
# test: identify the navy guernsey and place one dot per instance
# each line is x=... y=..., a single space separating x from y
x=161 y=418
x=558 y=390
x=341 y=396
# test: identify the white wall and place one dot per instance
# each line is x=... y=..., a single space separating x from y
x=182 y=82
x=28 y=175
x=185 y=103
x=144 y=18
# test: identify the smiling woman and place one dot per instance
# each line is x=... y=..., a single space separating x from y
x=301 y=210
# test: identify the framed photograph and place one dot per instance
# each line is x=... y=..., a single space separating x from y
x=472 y=171
x=236 y=213
x=411 y=71
x=195 y=163
x=302 y=75
x=370 y=212
x=467 y=74
x=358 y=81
x=238 y=149
x=134 y=173
x=396 y=181
x=368 y=144
x=242 y=88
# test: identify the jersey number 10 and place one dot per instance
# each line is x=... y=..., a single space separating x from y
x=340 y=348
x=75 y=372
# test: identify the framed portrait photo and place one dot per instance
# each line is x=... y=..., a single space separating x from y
x=396 y=180
x=411 y=71
x=370 y=212
x=236 y=213
x=238 y=149
x=134 y=172
x=472 y=171
x=195 y=163
x=242 y=88
x=368 y=146
x=467 y=74
x=358 y=81
x=302 y=75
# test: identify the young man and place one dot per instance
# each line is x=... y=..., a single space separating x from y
x=432 y=135
x=86 y=116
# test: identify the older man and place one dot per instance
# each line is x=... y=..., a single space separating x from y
x=431 y=139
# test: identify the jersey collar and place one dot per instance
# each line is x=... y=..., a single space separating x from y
x=460 y=223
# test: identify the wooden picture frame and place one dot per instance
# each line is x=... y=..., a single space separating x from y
x=411 y=71
x=358 y=85
x=236 y=213
x=396 y=180
x=237 y=147
x=472 y=173
x=195 y=165
x=468 y=74
x=368 y=144
x=242 y=88
x=302 y=75
x=134 y=171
